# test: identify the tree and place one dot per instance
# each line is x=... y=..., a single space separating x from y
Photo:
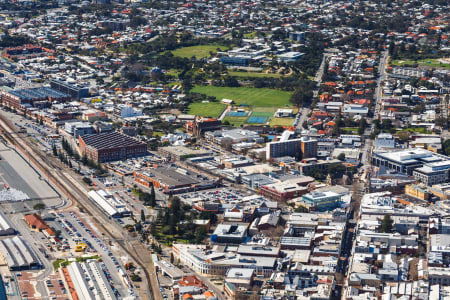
x=446 y=147
x=142 y=216
x=301 y=97
x=341 y=157
x=386 y=225
x=135 y=277
x=39 y=206
x=200 y=234
x=84 y=159
x=301 y=209
x=175 y=207
x=152 y=197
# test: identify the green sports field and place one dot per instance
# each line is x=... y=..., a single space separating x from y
x=247 y=95
x=253 y=74
x=235 y=121
x=282 y=122
x=200 y=51
x=434 y=63
x=211 y=109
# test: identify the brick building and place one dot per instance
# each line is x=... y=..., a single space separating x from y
x=201 y=125
x=111 y=146
x=288 y=189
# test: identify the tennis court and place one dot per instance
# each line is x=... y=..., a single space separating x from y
x=237 y=114
x=259 y=117
x=256 y=120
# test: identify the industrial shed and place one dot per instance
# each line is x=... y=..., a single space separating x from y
x=112 y=206
x=18 y=254
x=6 y=227
x=90 y=281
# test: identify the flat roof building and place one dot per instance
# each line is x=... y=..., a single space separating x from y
x=406 y=161
x=183 y=152
x=230 y=233
x=321 y=200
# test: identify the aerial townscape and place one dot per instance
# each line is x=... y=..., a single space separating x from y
x=221 y=150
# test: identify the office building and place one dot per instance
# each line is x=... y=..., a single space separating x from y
x=74 y=90
x=321 y=200
x=406 y=161
x=433 y=173
x=79 y=128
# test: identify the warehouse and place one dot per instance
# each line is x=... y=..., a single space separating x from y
x=112 y=206
x=183 y=152
x=18 y=254
x=111 y=146
x=6 y=226
x=90 y=281
x=41 y=97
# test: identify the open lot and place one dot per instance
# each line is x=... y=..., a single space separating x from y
x=211 y=109
x=247 y=95
x=200 y=51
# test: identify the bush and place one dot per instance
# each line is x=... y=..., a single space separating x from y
x=87 y=180
x=135 y=277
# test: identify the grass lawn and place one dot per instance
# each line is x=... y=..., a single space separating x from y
x=173 y=72
x=253 y=74
x=282 y=122
x=422 y=62
x=174 y=83
x=416 y=129
x=200 y=51
x=349 y=129
x=157 y=133
x=235 y=121
x=247 y=95
x=211 y=109
x=250 y=35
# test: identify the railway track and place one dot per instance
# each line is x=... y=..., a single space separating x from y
x=70 y=190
